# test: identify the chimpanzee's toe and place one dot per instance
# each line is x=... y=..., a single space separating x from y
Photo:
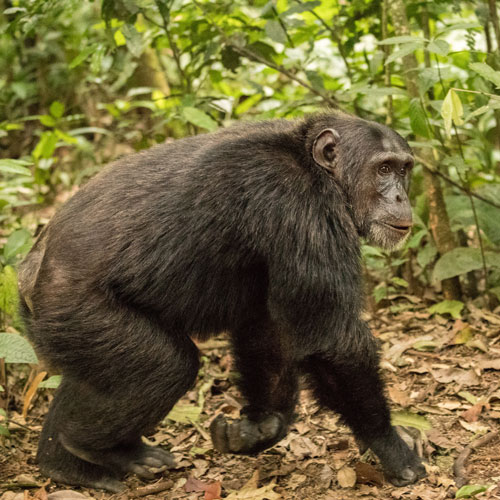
x=245 y=435
x=409 y=475
x=401 y=464
x=145 y=457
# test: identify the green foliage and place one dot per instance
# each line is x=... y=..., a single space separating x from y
x=409 y=419
x=80 y=79
x=451 y=307
x=471 y=490
x=16 y=349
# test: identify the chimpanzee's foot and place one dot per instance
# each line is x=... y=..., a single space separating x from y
x=143 y=458
x=401 y=465
x=136 y=458
x=63 y=467
x=252 y=433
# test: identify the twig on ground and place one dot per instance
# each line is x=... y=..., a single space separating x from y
x=459 y=465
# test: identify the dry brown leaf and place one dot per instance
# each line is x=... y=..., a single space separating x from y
x=399 y=397
x=435 y=437
x=252 y=493
x=31 y=392
x=11 y=495
x=472 y=414
x=303 y=447
x=489 y=364
x=346 y=477
x=460 y=377
x=367 y=474
x=296 y=480
x=212 y=490
x=66 y=495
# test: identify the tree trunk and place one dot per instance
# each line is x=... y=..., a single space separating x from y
x=439 y=221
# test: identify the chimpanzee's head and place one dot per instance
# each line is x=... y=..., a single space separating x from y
x=372 y=164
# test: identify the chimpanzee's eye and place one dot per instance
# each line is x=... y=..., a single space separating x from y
x=384 y=169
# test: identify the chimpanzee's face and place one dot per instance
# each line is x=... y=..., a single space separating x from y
x=373 y=165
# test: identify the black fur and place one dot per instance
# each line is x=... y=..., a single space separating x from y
x=238 y=231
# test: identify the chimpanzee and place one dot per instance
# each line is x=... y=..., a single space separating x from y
x=254 y=230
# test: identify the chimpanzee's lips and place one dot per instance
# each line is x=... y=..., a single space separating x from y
x=400 y=227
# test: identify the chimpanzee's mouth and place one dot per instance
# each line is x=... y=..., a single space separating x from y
x=400 y=228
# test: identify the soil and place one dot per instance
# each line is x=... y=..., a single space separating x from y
x=442 y=379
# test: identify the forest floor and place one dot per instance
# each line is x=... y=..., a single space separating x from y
x=443 y=381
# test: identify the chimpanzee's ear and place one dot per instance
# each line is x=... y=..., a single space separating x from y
x=323 y=150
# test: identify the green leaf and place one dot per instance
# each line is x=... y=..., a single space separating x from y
x=452 y=110
x=9 y=166
x=439 y=47
x=425 y=345
x=451 y=307
x=4 y=431
x=275 y=31
x=402 y=39
x=16 y=349
x=487 y=72
x=463 y=260
x=18 y=242
x=82 y=56
x=471 y=490
x=409 y=419
x=47 y=120
x=406 y=49
x=133 y=39
x=199 y=118
x=51 y=383
x=57 y=109
x=46 y=146
x=8 y=291
x=184 y=414
x=302 y=7
x=399 y=282
x=418 y=122
x=468 y=397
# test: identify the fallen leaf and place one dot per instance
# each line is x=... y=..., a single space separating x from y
x=474 y=427
x=435 y=437
x=367 y=474
x=472 y=414
x=346 y=477
x=66 y=495
x=264 y=493
x=296 y=480
x=489 y=364
x=460 y=377
x=303 y=447
x=10 y=495
x=212 y=490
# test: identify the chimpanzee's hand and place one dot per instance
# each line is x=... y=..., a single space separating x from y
x=401 y=465
x=252 y=433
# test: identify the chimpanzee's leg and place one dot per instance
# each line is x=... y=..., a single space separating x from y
x=269 y=382
x=348 y=382
x=92 y=434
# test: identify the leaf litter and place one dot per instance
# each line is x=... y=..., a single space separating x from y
x=443 y=381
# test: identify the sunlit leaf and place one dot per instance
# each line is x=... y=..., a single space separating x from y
x=487 y=72
x=418 y=120
x=275 y=31
x=16 y=349
x=199 y=118
x=451 y=307
x=452 y=110
x=471 y=490
x=463 y=260
x=409 y=419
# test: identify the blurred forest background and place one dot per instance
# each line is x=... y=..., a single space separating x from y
x=84 y=82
